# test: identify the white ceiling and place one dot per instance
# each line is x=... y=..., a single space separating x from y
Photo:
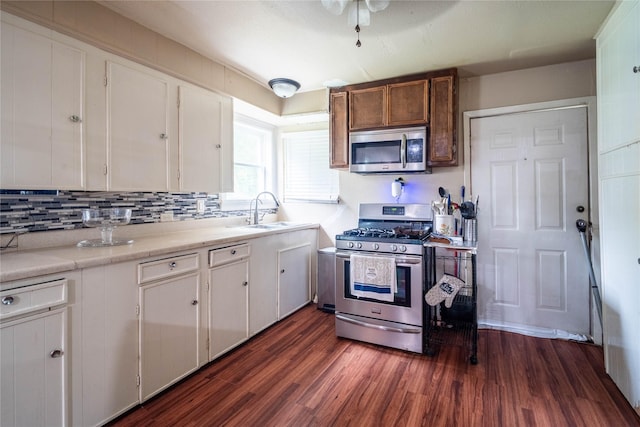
x=301 y=40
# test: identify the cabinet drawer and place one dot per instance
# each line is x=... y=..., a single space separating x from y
x=168 y=267
x=228 y=254
x=32 y=298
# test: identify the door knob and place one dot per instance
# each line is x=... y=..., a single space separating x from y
x=580 y=208
x=56 y=353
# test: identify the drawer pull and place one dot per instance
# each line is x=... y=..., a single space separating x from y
x=282 y=271
x=245 y=283
x=194 y=302
x=56 y=353
x=233 y=252
x=7 y=300
x=172 y=265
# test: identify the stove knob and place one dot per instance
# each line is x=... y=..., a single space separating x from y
x=394 y=248
x=351 y=244
x=376 y=246
x=403 y=248
x=359 y=245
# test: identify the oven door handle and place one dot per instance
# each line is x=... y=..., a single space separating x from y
x=407 y=330
x=400 y=261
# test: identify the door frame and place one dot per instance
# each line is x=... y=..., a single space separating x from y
x=592 y=170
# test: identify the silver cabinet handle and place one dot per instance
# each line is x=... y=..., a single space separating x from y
x=164 y=136
x=75 y=119
x=172 y=265
x=194 y=302
x=7 y=300
x=56 y=353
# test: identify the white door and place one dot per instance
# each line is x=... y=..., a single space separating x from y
x=530 y=173
x=168 y=332
x=41 y=142
x=205 y=124
x=33 y=370
x=138 y=142
x=228 y=305
x=294 y=279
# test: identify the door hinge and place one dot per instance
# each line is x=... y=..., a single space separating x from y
x=105 y=80
x=137 y=309
x=137 y=380
x=105 y=170
x=207 y=345
x=178 y=174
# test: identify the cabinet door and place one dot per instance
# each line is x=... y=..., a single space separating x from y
x=338 y=131
x=294 y=267
x=368 y=108
x=228 y=307
x=205 y=129
x=619 y=78
x=41 y=145
x=33 y=377
x=138 y=142
x=263 y=276
x=106 y=349
x=408 y=103
x=168 y=332
x=442 y=138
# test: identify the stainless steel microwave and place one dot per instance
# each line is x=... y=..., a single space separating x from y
x=389 y=150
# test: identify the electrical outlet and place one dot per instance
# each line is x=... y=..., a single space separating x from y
x=166 y=216
x=200 y=206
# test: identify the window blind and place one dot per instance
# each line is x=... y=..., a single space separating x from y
x=307 y=176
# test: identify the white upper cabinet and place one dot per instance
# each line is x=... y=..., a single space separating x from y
x=618 y=62
x=206 y=140
x=137 y=135
x=41 y=145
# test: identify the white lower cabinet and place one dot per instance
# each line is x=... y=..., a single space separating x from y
x=33 y=371
x=294 y=278
x=263 y=291
x=105 y=344
x=228 y=302
x=280 y=276
x=169 y=324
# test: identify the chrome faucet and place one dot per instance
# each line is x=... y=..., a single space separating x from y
x=256 y=218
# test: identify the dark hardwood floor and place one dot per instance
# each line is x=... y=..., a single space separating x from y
x=297 y=373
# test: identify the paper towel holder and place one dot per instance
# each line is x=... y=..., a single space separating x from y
x=397 y=187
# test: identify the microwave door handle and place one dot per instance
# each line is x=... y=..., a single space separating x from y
x=403 y=150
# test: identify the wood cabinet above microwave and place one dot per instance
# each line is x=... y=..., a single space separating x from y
x=422 y=99
x=397 y=104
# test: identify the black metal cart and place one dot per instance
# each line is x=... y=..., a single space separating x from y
x=456 y=324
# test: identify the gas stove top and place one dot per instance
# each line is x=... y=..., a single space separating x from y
x=388 y=228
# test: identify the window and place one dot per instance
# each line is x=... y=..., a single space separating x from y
x=307 y=176
x=253 y=158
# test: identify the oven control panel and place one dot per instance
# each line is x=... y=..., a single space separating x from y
x=380 y=247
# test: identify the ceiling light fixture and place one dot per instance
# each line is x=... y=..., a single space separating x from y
x=284 y=88
x=357 y=14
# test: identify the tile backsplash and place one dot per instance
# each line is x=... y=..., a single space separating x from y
x=46 y=212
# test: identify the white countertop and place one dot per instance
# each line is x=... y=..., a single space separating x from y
x=23 y=264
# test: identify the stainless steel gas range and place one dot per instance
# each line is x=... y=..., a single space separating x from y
x=380 y=276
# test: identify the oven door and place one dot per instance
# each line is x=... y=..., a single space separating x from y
x=406 y=307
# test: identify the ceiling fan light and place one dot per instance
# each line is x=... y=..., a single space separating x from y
x=365 y=16
x=335 y=6
x=377 y=5
x=284 y=88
